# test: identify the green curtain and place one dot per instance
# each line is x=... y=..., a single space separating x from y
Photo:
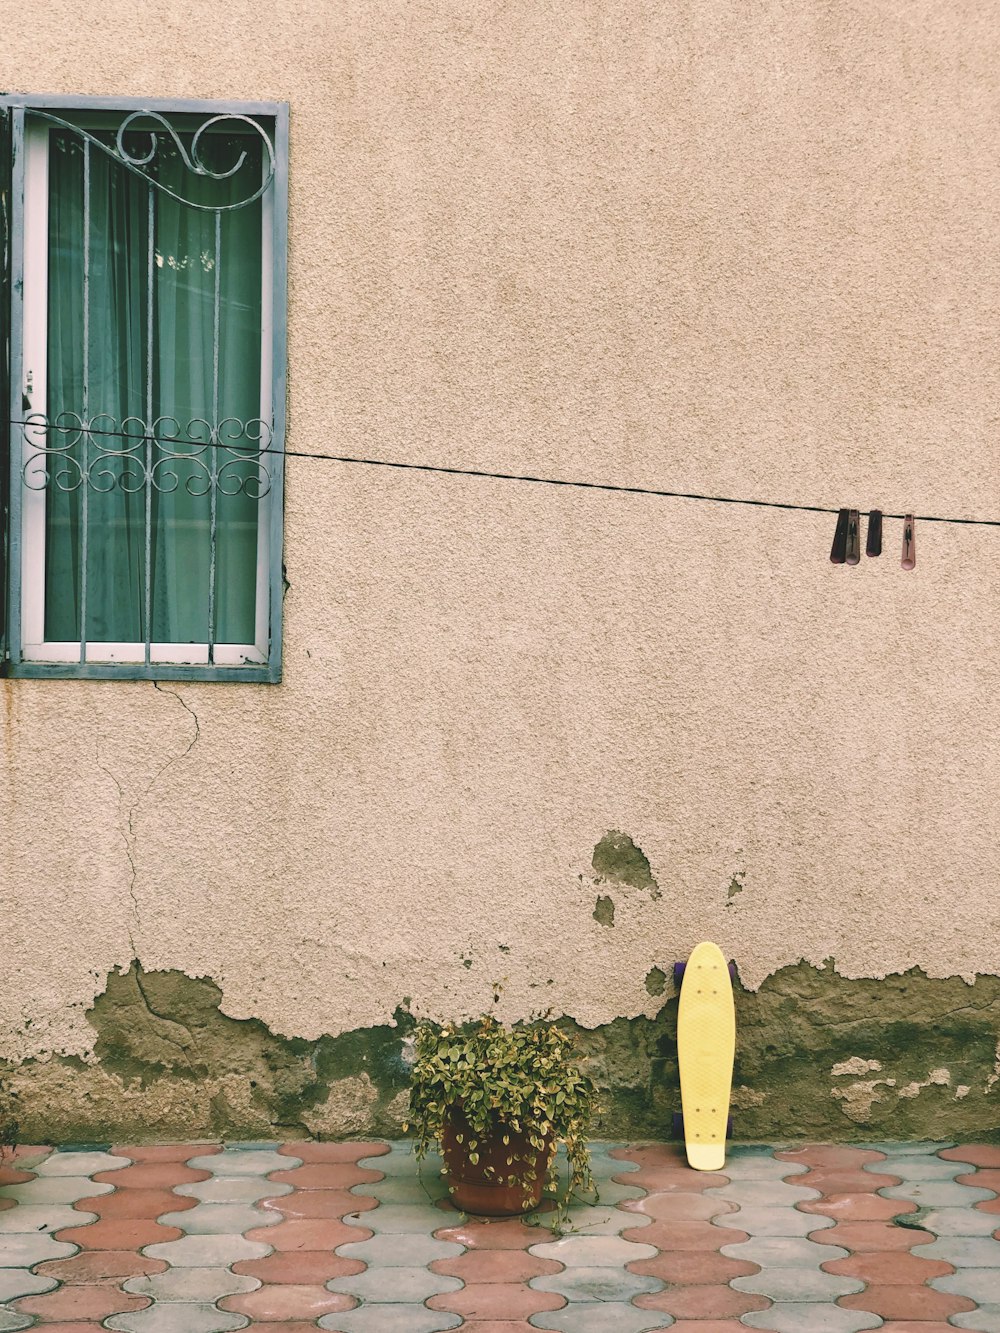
x=114 y=384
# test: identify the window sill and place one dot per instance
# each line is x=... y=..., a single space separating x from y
x=139 y=671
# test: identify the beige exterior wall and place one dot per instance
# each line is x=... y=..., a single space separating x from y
x=746 y=249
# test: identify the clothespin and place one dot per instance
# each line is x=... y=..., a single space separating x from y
x=874 y=543
x=838 y=552
x=909 y=559
x=852 y=555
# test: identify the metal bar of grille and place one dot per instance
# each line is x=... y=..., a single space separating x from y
x=84 y=438
x=213 y=494
x=148 y=488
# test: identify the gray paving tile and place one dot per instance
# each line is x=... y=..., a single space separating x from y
x=916 y=1167
x=243 y=1162
x=54 y=1189
x=207 y=1251
x=774 y=1222
x=425 y=1188
x=220 y=1219
x=596 y=1284
x=193 y=1285
x=783 y=1252
x=31 y=1218
x=797 y=1284
x=966 y=1252
x=404 y=1218
x=15 y=1282
x=801 y=1318
x=414 y=1251
x=958 y=1221
x=9 y=1321
x=981 y=1285
x=596 y=1220
x=600 y=1317
x=986 y=1319
x=762 y=1193
x=79 y=1163
x=609 y=1191
x=593 y=1251
x=938 y=1194
x=391 y=1319
x=918 y=1148
x=406 y=1285
x=177 y=1318
x=744 y=1165
x=401 y=1160
x=24 y=1251
x=232 y=1189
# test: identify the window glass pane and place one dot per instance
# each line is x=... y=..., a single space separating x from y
x=202 y=371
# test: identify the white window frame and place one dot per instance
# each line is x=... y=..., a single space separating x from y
x=29 y=652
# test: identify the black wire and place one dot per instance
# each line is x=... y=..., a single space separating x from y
x=251 y=454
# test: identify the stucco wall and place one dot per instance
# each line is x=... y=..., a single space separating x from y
x=737 y=249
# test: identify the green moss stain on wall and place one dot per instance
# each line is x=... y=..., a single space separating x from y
x=818 y=1057
x=617 y=858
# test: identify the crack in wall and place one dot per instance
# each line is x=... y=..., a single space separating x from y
x=126 y=819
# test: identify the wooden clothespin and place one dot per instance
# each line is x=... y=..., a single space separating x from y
x=838 y=551
x=909 y=559
x=852 y=555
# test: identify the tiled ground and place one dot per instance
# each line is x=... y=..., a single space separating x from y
x=292 y=1237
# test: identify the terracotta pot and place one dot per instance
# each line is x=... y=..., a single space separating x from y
x=477 y=1189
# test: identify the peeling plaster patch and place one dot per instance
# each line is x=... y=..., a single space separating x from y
x=656 y=981
x=743 y=1097
x=617 y=858
x=856 y=1066
x=858 y=1099
x=604 y=911
x=736 y=886
x=940 y=1078
x=962 y=1091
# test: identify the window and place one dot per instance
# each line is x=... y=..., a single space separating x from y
x=146 y=264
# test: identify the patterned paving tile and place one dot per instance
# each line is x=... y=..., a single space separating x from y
x=194 y=1285
x=207 y=1251
x=792 y=1318
x=784 y=1252
x=391 y=1319
x=593 y=1251
x=24 y=1251
x=244 y=1162
x=54 y=1189
x=32 y=1218
x=396 y=1285
x=233 y=1189
x=595 y=1284
x=774 y=1222
x=9 y=1321
x=270 y=1304
x=16 y=1282
x=601 y=1317
x=177 y=1319
x=986 y=1319
x=220 y=1219
x=798 y=1284
x=80 y=1164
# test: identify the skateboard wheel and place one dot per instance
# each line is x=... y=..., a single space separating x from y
x=677 y=1127
x=729 y=1128
x=679 y=973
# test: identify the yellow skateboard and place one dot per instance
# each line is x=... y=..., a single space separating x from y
x=706 y=1045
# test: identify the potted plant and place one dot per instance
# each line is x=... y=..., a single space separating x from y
x=499 y=1099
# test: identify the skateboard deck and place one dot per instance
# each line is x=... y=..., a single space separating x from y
x=706 y=1045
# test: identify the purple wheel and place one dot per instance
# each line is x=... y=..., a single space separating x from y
x=677 y=1125
x=679 y=969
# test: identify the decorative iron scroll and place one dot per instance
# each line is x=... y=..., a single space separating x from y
x=132 y=454
x=135 y=162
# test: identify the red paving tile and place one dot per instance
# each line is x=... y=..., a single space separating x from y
x=914 y=1303
x=678 y=1207
x=319 y=1203
x=300 y=1267
x=477 y=1266
x=985 y=1179
x=702 y=1302
x=325 y=1176
x=333 y=1152
x=671 y=1236
x=990 y=1206
x=308 y=1234
x=269 y=1304
x=885 y=1268
x=165 y=1152
x=831 y=1157
x=119 y=1233
x=10 y=1175
x=509 y=1234
x=150 y=1176
x=692 y=1268
x=7 y=1203
x=864 y=1236
x=89 y=1302
x=857 y=1207
x=135 y=1203
x=845 y=1182
x=495 y=1300
x=100 y=1266
x=979 y=1154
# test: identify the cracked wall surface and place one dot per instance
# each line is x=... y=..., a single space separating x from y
x=734 y=251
